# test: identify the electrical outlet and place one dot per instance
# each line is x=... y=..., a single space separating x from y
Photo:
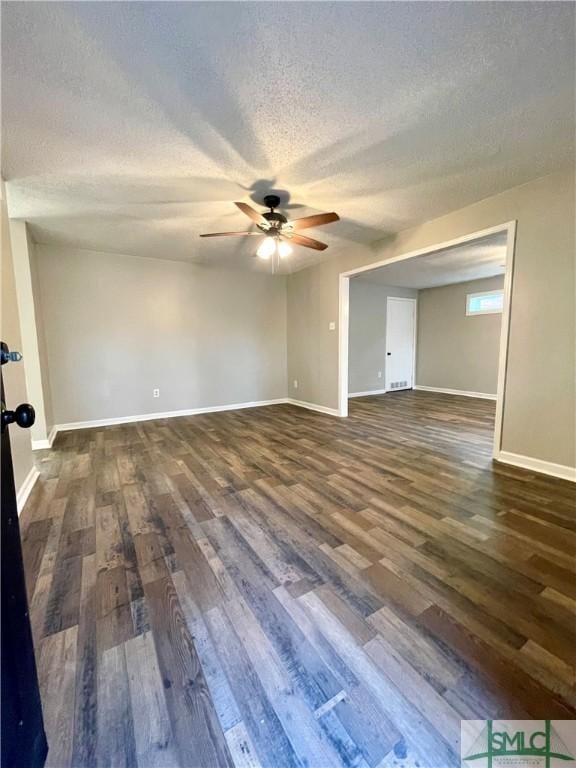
x=379 y=374
x=332 y=326
x=155 y=393
x=295 y=383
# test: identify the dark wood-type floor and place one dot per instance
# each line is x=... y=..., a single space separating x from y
x=277 y=587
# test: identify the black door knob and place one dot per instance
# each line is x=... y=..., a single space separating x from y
x=388 y=353
x=24 y=416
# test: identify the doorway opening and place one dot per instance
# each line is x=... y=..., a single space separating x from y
x=436 y=320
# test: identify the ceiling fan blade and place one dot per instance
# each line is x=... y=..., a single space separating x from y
x=230 y=234
x=308 y=242
x=314 y=221
x=251 y=213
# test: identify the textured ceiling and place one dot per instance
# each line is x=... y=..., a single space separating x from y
x=132 y=126
x=484 y=257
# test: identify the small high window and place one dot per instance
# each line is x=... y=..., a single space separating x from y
x=487 y=303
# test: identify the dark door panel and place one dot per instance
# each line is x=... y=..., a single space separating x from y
x=23 y=738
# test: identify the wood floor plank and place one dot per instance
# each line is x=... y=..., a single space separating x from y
x=258 y=712
x=286 y=649
x=63 y=607
x=84 y=751
x=444 y=718
x=199 y=737
x=43 y=587
x=424 y=740
x=115 y=747
x=151 y=563
x=108 y=539
x=371 y=730
x=57 y=675
x=480 y=656
x=309 y=744
x=153 y=738
x=394 y=590
x=33 y=546
x=241 y=747
x=224 y=702
x=431 y=661
x=113 y=608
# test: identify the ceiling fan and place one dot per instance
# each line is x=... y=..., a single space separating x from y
x=278 y=230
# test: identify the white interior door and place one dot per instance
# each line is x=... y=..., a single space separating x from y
x=400 y=343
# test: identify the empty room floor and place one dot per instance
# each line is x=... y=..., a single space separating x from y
x=277 y=587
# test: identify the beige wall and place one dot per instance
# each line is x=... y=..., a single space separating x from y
x=539 y=408
x=367 y=341
x=455 y=350
x=33 y=346
x=13 y=373
x=41 y=339
x=116 y=327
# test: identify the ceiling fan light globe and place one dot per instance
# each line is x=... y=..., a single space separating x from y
x=267 y=248
x=284 y=249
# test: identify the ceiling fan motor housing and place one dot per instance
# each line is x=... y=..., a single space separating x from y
x=271 y=201
x=275 y=220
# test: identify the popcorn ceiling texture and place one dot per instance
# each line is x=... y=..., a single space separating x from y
x=484 y=257
x=131 y=127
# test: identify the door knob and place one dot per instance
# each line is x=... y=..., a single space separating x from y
x=24 y=416
x=388 y=353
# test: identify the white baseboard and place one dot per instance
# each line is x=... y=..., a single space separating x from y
x=26 y=488
x=461 y=392
x=314 y=407
x=38 y=445
x=537 y=465
x=163 y=415
x=367 y=394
